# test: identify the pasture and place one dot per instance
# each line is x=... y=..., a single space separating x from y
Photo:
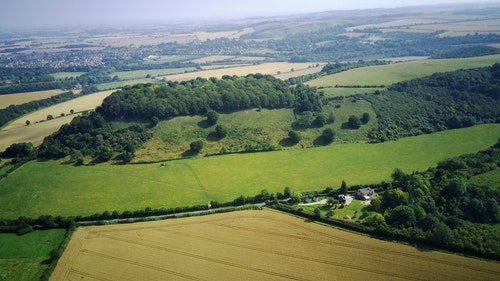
x=263 y=68
x=252 y=245
x=17 y=131
x=63 y=75
x=249 y=128
x=20 y=98
x=392 y=73
x=21 y=257
x=344 y=92
x=51 y=187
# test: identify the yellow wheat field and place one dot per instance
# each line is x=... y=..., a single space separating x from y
x=291 y=69
x=252 y=245
x=16 y=99
x=17 y=131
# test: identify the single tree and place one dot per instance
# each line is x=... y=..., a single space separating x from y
x=212 y=117
x=28 y=122
x=354 y=122
x=320 y=120
x=287 y=192
x=365 y=118
x=328 y=135
x=221 y=131
x=294 y=137
x=196 y=146
x=317 y=213
x=343 y=188
x=50 y=117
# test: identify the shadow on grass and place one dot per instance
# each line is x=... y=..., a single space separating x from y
x=213 y=137
x=321 y=141
x=204 y=124
x=189 y=153
x=286 y=142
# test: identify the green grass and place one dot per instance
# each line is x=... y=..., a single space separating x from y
x=53 y=188
x=250 y=127
x=343 y=92
x=491 y=179
x=392 y=73
x=138 y=74
x=120 y=84
x=353 y=210
x=62 y=75
x=245 y=127
x=21 y=257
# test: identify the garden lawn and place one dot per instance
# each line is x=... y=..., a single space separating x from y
x=52 y=188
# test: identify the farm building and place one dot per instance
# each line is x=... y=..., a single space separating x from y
x=365 y=193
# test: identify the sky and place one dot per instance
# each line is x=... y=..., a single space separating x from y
x=45 y=13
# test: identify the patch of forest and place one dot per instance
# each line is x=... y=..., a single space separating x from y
x=94 y=135
x=438 y=102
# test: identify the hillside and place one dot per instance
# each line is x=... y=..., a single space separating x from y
x=442 y=101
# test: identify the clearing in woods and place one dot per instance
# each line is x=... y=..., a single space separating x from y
x=252 y=245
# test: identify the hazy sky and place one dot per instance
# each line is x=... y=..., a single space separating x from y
x=40 y=13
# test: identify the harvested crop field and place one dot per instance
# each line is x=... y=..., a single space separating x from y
x=17 y=131
x=20 y=98
x=252 y=245
x=265 y=68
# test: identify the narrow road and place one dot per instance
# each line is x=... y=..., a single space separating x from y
x=160 y=217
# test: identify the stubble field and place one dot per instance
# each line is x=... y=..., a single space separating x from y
x=273 y=68
x=17 y=131
x=252 y=245
x=20 y=98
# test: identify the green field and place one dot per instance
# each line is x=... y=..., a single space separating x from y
x=250 y=127
x=120 y=84
x=392 y=73
x=57 y=189
x=21 y=257
x=138 y=74
x=491 y=179
x=343 y=92
x=63 y=75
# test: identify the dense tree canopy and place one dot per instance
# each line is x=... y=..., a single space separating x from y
x=441 y=101
x=200 y=96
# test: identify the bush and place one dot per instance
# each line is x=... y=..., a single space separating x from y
x=196 y=146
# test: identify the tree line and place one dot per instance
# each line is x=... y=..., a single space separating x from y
x=14 y=111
